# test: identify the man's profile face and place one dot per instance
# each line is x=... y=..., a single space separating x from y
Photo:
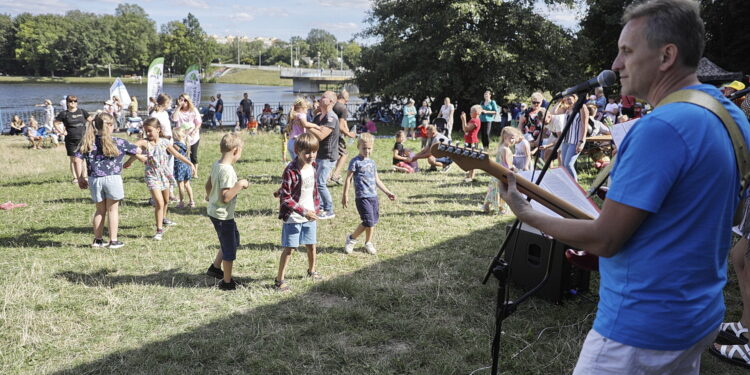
x=636 y=62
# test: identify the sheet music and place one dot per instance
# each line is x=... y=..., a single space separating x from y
x=558 y=182
x=620 y=129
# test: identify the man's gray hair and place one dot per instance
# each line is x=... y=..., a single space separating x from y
x=672 y=21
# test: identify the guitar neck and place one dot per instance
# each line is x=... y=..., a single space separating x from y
x=472 y=159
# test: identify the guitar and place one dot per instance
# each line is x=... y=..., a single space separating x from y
x=468 y=159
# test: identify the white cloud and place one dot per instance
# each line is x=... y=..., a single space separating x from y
x=35 y=6
x=193 y=3
x=242 y=16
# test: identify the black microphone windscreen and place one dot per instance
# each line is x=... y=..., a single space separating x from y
x=606 y=78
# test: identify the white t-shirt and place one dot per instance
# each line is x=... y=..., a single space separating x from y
x=166 y=125
x=445 y=111
x=188 y=121
x=614 y=108
x=307 y=175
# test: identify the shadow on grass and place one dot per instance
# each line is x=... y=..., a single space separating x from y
x=424 y=312
x=35 y=182
x=171 y=278
x=37 y=237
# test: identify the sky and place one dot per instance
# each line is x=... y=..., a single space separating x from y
x=281 y=19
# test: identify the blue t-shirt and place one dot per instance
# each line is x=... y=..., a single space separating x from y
x=663 y=289
x=488 y=117
x=100 y=165
x=364 y=177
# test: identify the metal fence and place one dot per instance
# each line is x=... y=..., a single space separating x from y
x=229 y=116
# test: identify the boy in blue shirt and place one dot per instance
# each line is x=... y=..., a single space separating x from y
x=364 y=173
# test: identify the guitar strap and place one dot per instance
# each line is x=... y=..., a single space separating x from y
x=700 y=98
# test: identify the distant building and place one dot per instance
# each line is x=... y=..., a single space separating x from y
x=244 y=39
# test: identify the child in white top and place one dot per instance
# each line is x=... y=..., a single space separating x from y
x=298 y=124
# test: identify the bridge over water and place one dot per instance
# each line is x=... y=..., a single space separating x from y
x=303 y=79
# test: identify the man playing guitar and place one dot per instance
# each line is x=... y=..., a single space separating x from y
x=662 y=234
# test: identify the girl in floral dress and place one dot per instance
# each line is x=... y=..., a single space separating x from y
x=504 y=157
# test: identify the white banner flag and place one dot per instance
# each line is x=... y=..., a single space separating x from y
x=118 y=89
x=155 y=78
x=193 y=84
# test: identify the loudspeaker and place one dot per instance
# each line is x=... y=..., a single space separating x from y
x=527 y=254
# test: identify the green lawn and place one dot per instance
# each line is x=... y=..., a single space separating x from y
x=254 y=77
x=418 y=307
x=32 y=79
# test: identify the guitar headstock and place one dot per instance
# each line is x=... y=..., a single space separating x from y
x=466 y=158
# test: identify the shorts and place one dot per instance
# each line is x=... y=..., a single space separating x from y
x=71 y=145
x=745 y=224
x=107 y=187
x=229 y=237
x=295 y=234
x=369 y=211
x=194 y=152
x=218 y=116
x=134 y=131
x=342 y=146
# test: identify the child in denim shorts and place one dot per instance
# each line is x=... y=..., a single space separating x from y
x=299 y=204
x=364 y=173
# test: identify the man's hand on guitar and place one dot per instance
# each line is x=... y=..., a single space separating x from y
x=510 y=194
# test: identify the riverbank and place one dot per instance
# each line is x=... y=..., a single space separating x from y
x=32 y=79
x=253 y=77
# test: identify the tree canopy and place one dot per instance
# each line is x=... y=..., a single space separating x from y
x=459 y=49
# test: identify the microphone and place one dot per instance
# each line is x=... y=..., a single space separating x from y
x=604 y=79
x=739 y=94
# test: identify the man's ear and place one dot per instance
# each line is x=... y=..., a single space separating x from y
x=668 y=56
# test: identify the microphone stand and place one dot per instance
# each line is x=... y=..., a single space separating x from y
x=501 y=268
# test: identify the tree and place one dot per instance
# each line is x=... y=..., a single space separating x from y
x=134 y=34
x=352 y=54
x=724 y=44
x=7 y=44
x=322 y=45
x=185 y=43
x=438 y=48
x=38 y=41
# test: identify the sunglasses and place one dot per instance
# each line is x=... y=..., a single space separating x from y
x=535 y=102
x=72 y=101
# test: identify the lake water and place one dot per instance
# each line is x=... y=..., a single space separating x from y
x=91 y=96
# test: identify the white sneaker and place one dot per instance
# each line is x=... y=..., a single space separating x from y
x=158 y=235
x=326 y=216
x=370 y=248
x=349 y=245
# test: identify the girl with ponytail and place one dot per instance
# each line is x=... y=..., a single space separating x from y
x=103 y=155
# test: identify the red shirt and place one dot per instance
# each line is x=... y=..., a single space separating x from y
x=471 y=135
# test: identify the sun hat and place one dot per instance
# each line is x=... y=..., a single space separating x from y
x=736 y=85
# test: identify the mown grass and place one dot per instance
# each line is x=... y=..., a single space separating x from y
x=254 y=77
x=418 y=307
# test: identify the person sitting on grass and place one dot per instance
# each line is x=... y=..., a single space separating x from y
x=364 y=173
x=401 y=155
x=222 y=188
x=16 y=125
x=32 y=134
x=299 y=205
x=433 y=137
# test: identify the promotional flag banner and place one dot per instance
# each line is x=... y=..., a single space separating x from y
x=118 y=89
x=193 y=84
x=155 y=77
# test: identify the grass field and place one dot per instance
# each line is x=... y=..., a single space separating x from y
x=418 y=307
x=254 y=77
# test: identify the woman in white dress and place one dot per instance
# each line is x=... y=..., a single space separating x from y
x=446 y=112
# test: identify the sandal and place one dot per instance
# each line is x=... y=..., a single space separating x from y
x=727 y=353
x=314 y=275
x=281 y=286
x=732 y=334
x=191 y=204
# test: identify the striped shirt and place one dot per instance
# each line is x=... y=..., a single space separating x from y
x=574 y=134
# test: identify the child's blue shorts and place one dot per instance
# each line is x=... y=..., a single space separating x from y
x=369 y=211
x=106 y=187
x=296 y=234
x=229 y=237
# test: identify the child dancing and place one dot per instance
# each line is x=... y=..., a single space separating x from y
x=364 y=173
x=103 y=155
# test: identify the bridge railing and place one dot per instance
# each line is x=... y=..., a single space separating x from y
x=302 y=72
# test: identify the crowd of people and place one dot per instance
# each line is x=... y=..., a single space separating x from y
x=662 y=233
